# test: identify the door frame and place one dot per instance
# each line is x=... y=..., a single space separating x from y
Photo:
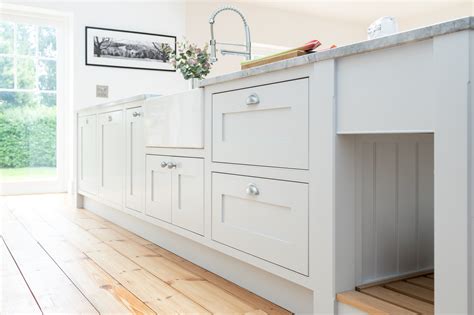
x=64 y=106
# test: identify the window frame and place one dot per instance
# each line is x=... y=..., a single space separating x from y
x=62 y=21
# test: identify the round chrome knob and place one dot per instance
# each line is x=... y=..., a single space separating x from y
x=110 y=118
x=136 y=114
x=164 y=164
x=252 y=99
x=252 y=190
x=171 y=165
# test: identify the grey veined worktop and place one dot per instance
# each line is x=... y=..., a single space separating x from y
x=418 y=34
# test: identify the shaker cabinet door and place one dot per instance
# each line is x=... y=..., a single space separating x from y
x=111 y=157
x=188 y=194
x=87 y=159
x=158 y=188
x=175 y=191
x=135 y=160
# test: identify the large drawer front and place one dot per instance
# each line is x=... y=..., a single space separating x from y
x=265 y=125
x=262 y=217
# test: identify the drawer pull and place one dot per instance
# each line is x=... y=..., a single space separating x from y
x=136 y=114
x=110 y=118
x=253 y=99
x=163 y=164
x=171 y=165
x=252 y=190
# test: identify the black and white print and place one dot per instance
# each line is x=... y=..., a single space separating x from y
x=129 y=49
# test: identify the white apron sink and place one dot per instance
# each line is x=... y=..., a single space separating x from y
x=175 y=121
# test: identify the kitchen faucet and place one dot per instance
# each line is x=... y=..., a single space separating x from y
x=248 y=46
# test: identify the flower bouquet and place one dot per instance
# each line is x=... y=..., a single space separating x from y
x=192 y=61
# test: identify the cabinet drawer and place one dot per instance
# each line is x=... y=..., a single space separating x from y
x=262 y=217
x=264 y=125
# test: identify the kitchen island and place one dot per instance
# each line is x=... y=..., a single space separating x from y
x=316 y=174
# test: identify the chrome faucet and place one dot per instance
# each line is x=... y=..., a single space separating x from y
x=248 y=46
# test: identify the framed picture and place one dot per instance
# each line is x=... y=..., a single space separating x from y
x=127 y=49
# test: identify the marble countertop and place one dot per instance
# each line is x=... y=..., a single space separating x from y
x=419 y=34
x=140 y=97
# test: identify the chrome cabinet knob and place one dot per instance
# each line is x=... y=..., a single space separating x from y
x=171 y=165
x=252 y=190
x=253 y=99
x=110 y=118
x=136 y=114
x=163 y=164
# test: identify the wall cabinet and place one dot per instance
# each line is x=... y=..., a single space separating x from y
x=111 y=157
x=87 y=154
x=175 y=191
x=135 y=160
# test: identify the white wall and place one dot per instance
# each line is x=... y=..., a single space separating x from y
x=290 y=23
x=157 y=17
x=281 y=23
x=457 y=9
x=267 y=26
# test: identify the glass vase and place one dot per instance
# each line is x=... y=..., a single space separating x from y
x=193 y=83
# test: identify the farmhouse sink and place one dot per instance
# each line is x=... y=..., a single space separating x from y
x=175 y=121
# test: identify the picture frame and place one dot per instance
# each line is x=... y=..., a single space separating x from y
x=106 y=47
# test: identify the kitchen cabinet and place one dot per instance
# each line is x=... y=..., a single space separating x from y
x=135 y=160
x=87 y=154
x=111 y=157
x=175 y=191
x=302 y=182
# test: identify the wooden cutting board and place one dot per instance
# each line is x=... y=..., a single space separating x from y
x=273 y=58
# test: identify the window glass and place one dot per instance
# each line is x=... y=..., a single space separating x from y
x=27 y=102
x=47 y=42
x=6 y=38
x=47 y=74
x=47 y=99
x=6 y=72
x=26 y=39
x=18 y=99
x=25 y=73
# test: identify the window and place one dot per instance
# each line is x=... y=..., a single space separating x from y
x=28 y=58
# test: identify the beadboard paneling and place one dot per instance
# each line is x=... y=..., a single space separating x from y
x=394 y=196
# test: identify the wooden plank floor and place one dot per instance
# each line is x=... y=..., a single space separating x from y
x=58 y=259
x=413 y=295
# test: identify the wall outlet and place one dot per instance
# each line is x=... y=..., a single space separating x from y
x=102 y=91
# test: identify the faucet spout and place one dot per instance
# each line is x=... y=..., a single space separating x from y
x=213 y=43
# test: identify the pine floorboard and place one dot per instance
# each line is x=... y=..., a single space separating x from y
x=68 y=260
x=413 y=294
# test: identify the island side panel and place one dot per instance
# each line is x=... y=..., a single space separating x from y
x=452 y=166
x=471 y=161
x=322 y=186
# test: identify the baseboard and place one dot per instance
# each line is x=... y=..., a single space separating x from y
x=282 y=292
